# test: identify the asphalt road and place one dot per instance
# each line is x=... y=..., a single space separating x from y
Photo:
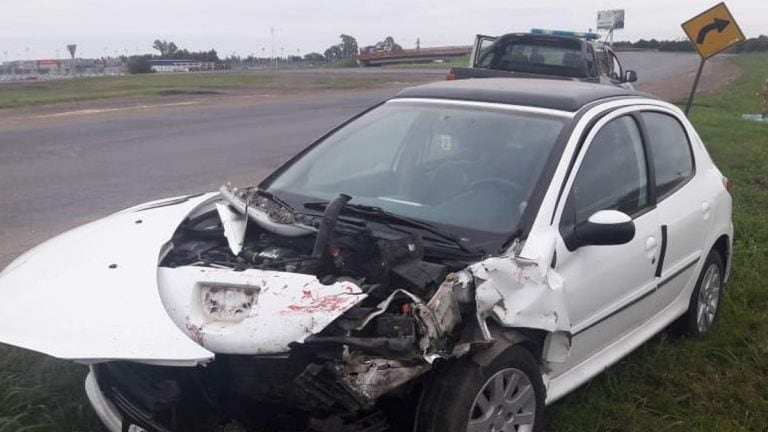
x=57 y=172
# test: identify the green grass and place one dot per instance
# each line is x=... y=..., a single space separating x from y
x=719 y=383
x=39 y=393
x=82 y=89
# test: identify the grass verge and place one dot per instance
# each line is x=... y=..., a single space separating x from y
x=82 y=89
x=719 y=383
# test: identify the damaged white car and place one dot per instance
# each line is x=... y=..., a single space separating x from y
x=453 y=259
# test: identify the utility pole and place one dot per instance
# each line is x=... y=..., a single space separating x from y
x=272 y=31
x=274 y=60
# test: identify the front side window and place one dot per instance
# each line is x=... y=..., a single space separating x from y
x=616 y=69
x=606 y=65
x=671 y=152
x=485 y=44
x=613 y=174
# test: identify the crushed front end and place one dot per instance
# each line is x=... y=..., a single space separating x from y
x=318 y=322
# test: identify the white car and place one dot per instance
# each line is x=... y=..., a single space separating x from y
x=453 y=259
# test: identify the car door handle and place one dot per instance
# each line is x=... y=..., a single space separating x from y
x=650 y=248
x=663 y=252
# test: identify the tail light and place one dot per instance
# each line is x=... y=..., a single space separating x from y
x=450 y=77
x=728 y=186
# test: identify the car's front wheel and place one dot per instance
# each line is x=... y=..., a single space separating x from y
x=705 y=301
x=505 y=396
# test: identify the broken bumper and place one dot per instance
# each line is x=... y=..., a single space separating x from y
x=117 y=410
x=105 y=410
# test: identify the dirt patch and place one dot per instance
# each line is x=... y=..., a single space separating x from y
x=187 y=92
x=760 y=184
x=718 y=73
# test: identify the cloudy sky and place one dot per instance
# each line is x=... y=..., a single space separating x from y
x=38 y=28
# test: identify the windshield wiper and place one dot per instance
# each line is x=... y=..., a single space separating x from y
x=381 y=214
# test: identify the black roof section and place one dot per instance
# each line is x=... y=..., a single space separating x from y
x=563 y=95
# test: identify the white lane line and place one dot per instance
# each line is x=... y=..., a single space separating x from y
x=106 y=110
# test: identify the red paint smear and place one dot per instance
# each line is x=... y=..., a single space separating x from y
x=335 y=303
x=197 y=332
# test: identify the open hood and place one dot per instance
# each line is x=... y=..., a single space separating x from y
x=91 y=294
x=96 y=294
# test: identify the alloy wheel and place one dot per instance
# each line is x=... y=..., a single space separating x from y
x=709 y=298
x=505 y=403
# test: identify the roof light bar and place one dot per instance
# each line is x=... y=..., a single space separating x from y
x=582 y=35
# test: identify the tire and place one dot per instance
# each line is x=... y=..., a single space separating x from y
x=460 y=397
x=704 y=305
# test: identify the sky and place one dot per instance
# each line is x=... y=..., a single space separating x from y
x=43 y=28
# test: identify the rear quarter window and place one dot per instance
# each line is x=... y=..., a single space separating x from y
x=670 y=152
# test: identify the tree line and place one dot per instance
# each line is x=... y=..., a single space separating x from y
x=653 y=44
x=169 y=50
x=758 y=44
x=140 y=64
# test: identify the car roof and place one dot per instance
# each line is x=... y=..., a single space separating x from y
x=540 y=36
x=562 y=95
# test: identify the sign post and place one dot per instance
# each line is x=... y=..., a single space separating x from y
x=72 y=48
x=610 y=20
x=711 y=32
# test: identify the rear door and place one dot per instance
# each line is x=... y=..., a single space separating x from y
x=684 y=202
x=481 y=45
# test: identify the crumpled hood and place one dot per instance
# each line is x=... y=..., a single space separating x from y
x=92 y=294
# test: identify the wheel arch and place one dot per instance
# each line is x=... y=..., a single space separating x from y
x=532 y=340
x=723 y=247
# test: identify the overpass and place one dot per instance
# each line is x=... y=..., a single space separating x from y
x=418 y=55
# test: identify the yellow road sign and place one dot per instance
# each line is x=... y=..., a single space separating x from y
x=713 y=31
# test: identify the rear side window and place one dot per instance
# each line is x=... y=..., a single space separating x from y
x=671 y=152
x=613 y=174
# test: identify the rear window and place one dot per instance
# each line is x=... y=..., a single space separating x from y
x=552 y=56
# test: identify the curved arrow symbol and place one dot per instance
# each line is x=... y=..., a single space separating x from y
x=718 y=24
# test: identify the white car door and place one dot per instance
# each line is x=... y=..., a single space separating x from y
x=684 y=204
x=606 y=285
x=481 y=45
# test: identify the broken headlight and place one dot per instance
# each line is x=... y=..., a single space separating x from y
x=228 y=303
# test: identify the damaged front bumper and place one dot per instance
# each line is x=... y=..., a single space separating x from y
x=109 y=415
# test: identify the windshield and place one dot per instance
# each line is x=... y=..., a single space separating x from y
x=553 y=56
x=446 y=164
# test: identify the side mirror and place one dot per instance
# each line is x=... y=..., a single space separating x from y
x=630 y=76
x=604 y=228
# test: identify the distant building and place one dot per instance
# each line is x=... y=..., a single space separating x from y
x=60 y=68
x=163 y=65
x=48 y=66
